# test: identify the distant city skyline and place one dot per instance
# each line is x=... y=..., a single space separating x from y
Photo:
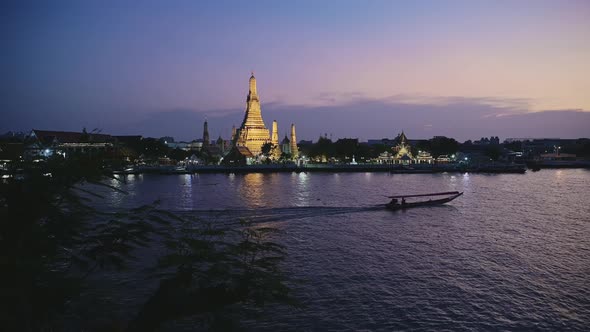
x=349 y=68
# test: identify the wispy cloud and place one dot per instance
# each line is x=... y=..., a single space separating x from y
x=349 y=115
x=354 y=115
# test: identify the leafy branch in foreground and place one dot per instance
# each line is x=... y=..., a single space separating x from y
x=52 y=240
x=211 y=269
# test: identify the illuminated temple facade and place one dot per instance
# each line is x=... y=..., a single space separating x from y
x=403 y=150
x=252 y=134
x=402 y=154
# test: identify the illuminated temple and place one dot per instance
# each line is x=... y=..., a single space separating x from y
x=252 y=134
x=248 y=141
x=403 y=150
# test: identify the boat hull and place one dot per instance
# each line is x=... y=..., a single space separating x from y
x=433 y=202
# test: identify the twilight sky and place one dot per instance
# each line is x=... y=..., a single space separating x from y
x=364 y=69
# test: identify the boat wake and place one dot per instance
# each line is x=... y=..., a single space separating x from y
x=276 y=214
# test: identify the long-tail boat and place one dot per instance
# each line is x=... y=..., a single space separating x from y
x=399 y=202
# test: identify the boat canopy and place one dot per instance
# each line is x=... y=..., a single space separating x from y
x=422 y=195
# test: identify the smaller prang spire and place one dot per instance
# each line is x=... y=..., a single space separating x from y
x=294 y=149
x=276 y=149
x=275 y=133
x=206 y=140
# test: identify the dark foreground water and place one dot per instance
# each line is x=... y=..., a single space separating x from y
x=513 y=253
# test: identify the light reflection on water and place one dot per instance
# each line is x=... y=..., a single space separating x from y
x=186 y=189
x=511 y=253
x=251 y=189
x=302 y=190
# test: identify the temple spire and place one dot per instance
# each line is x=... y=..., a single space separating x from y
x=253 y=133
x=252 y=94
x=275 y=133
x=402 y=137
x=294 y=149
x=276 y=150
x=205 y=134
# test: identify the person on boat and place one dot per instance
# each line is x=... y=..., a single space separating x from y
x=393 y=201
x=403 y=201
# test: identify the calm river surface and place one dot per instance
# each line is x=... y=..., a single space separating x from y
x=513 y=253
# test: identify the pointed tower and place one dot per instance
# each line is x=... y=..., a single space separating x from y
x=233 y=133
x=253 y=133
x=206 y=140
x=402 y=138
x=274 y=140
x=403 y=150
x=275 y=133
x=294 y=149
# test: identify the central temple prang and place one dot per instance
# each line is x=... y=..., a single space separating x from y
x=252 y=134
x=252 y=142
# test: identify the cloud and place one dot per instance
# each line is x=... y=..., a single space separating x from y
x=363 y=117
x=344 y=115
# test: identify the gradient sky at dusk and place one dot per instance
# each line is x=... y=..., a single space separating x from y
x=363 y=69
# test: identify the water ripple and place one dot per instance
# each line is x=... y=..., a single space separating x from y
x=510 y=254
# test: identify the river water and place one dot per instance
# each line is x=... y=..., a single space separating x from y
x=512 y=253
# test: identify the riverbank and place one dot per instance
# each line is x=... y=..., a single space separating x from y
x=491 y=168
x=330 y=168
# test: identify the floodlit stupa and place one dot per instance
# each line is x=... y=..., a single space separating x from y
x=294 y=149
x=253 y=134
x=274 y=140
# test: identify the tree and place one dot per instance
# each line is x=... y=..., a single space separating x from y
x=363 y=152
x=493 y=151
x=322 y=148
x=206 y=274
x=514 y=146
x=377 y=149
x=441 y=145
x=267 y=148
x=52 y=239
x=424 y=145
x=285 y=157
x=151 y=148
x=84 y=137
x=178 y=154
x=345 y=148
